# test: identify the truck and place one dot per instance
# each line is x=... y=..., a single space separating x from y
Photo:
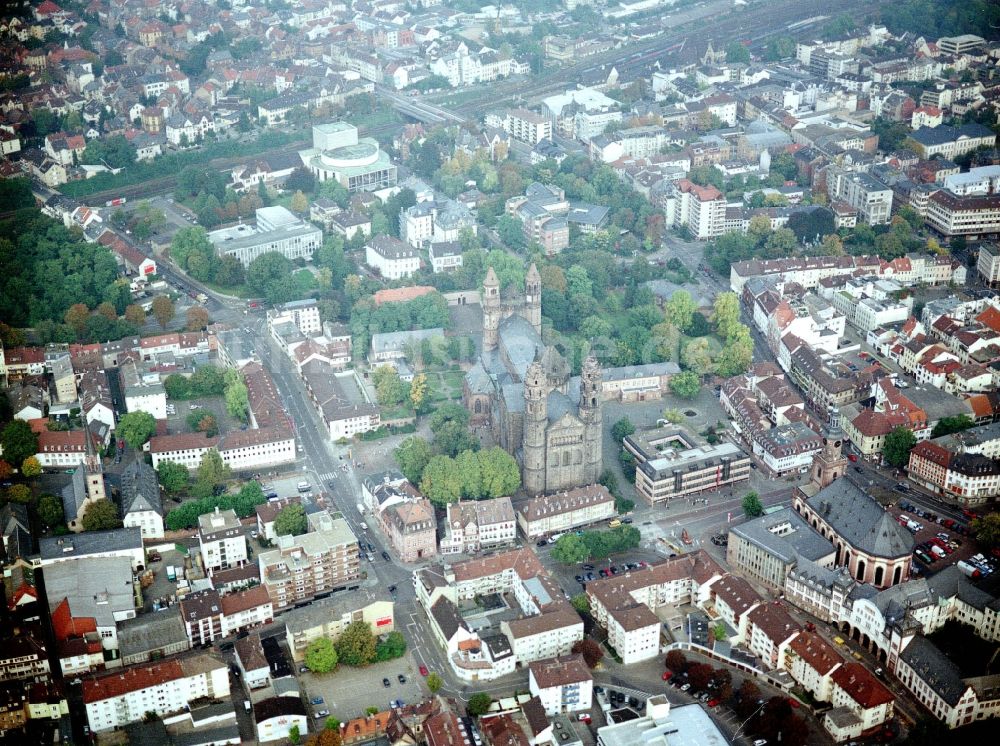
x=201 y=298
x=171 y=573
x=967 y=570
x=116 y=202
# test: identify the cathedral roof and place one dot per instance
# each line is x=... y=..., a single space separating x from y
x=521 y=342
x=558 y=404
x=555 y=365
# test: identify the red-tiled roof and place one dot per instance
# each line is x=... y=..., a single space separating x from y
x=130 y=680
x=401 y=295
x=862 y=686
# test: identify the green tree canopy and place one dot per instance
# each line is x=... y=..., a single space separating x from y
x=19 y=442
x=898 y=445
x=291 y=521
x=31 y=467
x=987 y=529
x=392 y=646
x=412 y=456
x=686 y=385
x=321 y=656
x=434 y=682
x=136 y=428
x=356 y=644
x=752 y=506
x=100 y=516
x=50 y=510
x=570 y=550
x=172 y=476
x=479 y=704
x=622 y=429
x=948 y=425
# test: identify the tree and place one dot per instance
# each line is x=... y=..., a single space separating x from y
x=737 y=53
x=321 y=656
x=389 y=388
x=31 y=467
x=676 y=661
x=434 y=682
x=136 y=428
x=987 y=529
x=726 y=314
x=76 y=316
x=898 y=445
x=212 y=471
x=299 y=203
x=479 y=704
x=173 y=477
x=441 y=481
x=301 y=180
x=18 y=441
x=699 y=675
x=392 y=646
x=747 y=698
x=236 y=396
x=499 y=473
x=135 y=315
x=412 y=456
x=197 y=319
x=581 y=602
x=686 y=385
x=622 y=429
x=101 y=515
x=452 y=438
x=6 y=470
x=752 y=506
x=449 y=412
x=590 y=650
x=680 y=309
x=736 y=357
x=19 y=493
x=293 y=733
x=697 y=356
x=107 y=310
x=266 y=273
x=163 y=310
x=948 y=425
x=50 y=510
x=356 y=644
x=291 y=521
x=418 y=391
x=570 y=549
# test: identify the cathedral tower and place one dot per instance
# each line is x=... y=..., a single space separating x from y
x=591 y=416
x=829 y=464
x=535 y=424
x=533 y=298
x=491 y=310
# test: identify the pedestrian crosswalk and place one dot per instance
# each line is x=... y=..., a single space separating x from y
x=328 y=475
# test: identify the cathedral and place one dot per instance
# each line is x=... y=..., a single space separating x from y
x=522 y=389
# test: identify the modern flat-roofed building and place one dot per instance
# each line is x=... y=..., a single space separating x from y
x=527 y=126
x=664 y=725
x=221 y=540
x=357 y=164
x=329 y=617
x=765 y=548
x=669 y=465
x=276 y=229
x=314 y=564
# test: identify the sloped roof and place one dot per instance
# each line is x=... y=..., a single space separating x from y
x=140 y=490
x=861 y=521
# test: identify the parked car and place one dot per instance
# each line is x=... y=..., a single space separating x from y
x=385 y=555
x=322 y=714
x=423 y=671
x=401 y=679
x=386 y=683
x=583 y=718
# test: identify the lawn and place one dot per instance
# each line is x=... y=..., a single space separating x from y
x=398 y=412
x=446 y=384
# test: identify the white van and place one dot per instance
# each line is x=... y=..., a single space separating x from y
x=304 y=487
x=361 y=508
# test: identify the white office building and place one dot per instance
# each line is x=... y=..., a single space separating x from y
x=276 y=229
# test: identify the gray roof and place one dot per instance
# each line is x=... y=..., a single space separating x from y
x=90 y=542
x=558 y=404
x=861 y=521
x=148 y=632
x=322 y=611
x=139 y=489
x=397 y=341
x=203 y=737
x=521 y=342
x=796 y=538
x=624 y=372
x=446 y=616
x=818 y=575
x=74 y=494
x=935 y=668
x=936 y=403
x=478 y=380
x=98 y=587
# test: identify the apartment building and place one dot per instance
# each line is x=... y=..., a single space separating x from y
x=950 y=142
x=562 y=511
x=870 y=197
x=546 y=635
x=304 y=314
x=988 y=264
x=634 y=633
x=670 y=465
x=476 y=525
x=411 y=529
x=701 y=209
x=392 y=258
x=860 y=702
x=122 y=697
x=562 y=684
x=527 y=126
x=314 y=564
x=221 y=540
x=208 y=615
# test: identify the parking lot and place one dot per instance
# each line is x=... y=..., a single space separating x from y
x=214 y=405
x=348 y=692
x=952 y=539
